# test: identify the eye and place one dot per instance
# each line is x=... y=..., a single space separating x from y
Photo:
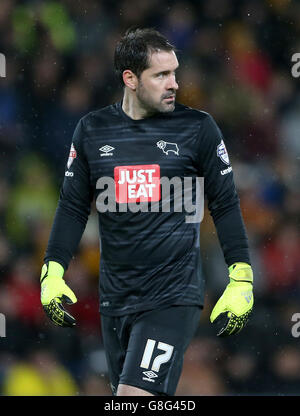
x=162 y=75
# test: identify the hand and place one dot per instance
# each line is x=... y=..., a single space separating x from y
x=53 y=292
x=236 y=303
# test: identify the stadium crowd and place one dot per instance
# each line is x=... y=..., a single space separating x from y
x=235 y=63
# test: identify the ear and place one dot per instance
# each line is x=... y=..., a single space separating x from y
x=130 y=79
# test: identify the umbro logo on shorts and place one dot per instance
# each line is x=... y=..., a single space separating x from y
x=150 y=375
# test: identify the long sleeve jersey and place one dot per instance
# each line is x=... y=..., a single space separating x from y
x=148 y=258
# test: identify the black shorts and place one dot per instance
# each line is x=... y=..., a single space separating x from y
x=146 y=349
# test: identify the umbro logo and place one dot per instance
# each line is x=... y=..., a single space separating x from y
x=149 y=376
x=106 y=150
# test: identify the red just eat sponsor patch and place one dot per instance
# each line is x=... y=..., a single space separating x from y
x=139 y=183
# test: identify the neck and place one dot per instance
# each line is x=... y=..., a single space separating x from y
x=132 y=107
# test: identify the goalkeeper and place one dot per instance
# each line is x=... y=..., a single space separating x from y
x=151 y=282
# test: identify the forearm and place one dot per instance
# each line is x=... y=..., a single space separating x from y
x=232 y=233
x=66 y=233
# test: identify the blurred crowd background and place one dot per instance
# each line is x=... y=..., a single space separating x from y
x=235 y=63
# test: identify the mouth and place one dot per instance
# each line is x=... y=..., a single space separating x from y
x=171 y=98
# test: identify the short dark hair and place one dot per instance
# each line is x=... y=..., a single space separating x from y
x=133 y=51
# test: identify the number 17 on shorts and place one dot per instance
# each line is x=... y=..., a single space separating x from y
x=164 y=357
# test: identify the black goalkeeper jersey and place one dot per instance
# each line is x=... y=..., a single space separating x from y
x=149 y=258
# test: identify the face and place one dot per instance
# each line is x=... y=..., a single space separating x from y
x=156 y=88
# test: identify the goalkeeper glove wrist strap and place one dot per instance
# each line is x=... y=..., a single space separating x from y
x=241 y=272
x=51 y=268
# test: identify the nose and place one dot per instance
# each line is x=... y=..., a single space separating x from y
x=172 y=84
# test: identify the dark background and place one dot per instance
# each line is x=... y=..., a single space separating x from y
x=235 y=63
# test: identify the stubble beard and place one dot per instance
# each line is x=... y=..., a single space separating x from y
x=151 y=106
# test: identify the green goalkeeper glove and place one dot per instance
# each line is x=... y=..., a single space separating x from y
x=53 y=292
x=236 y=303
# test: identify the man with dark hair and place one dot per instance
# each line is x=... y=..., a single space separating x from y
x=135 y=53
x=151 y=283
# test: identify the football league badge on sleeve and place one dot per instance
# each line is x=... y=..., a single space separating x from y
x=72 y=156
x=222 y=153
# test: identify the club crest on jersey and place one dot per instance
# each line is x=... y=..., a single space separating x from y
x=167 y=147
x=222 y=153
x=72 y=156
x=106 y=150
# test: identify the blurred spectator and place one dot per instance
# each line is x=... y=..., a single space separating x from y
x=11 y=135
x=33 y=198
x=192 y=93
x=41 y=375
x=179 y=25
x=285 y=365
x=289 y=131
x=281 y=260
x=249 y=65
x=87 y=307
x=24 y=291
x=199 y=375
x=59 y=122
x=241 y=370
x=94 y=385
